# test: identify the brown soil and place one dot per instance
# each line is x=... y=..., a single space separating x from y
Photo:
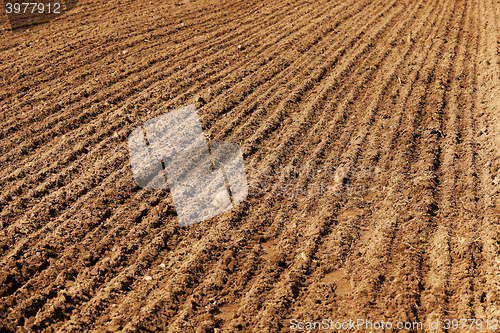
x=405 y=89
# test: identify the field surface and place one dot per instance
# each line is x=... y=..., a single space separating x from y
x=370 y=132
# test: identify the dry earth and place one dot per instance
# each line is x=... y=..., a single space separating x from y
x=396 y=103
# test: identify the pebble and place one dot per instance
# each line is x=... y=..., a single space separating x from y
x=148 y=278
x=162 y=265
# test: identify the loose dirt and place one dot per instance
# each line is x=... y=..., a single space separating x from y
x=388 y=111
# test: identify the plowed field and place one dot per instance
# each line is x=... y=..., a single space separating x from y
x=370 y=132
